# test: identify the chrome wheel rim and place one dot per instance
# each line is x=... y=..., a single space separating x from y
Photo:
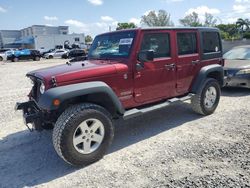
x=88 y=136
x=210 y=97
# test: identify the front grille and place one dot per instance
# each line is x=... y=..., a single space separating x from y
x=35 y=92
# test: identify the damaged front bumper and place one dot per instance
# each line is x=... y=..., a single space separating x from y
x=238 y=81
x=31 y=114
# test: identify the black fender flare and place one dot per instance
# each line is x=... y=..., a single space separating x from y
x=68 y=92
x=211 y=71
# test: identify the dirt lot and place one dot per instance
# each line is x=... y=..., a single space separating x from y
x=172 y=147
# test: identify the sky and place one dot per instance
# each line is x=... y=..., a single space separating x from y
x=96 y=16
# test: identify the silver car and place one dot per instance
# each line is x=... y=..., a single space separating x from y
x=55 y=54
x=4 y=53
x=237 y=67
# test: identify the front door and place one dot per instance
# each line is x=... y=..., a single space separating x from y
x=156 y=80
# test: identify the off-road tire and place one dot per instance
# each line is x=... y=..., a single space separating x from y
x=65 y=128
x=197 y=101
x=37 y=58
x=15 y=59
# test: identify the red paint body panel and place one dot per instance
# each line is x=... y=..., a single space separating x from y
x=134 y=87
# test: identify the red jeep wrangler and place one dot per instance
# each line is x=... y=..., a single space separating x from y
x=128 y=73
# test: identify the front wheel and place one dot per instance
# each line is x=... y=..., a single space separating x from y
x=82 y=134
x=206 y=101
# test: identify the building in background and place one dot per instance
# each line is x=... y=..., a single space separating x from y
x=8 y=38
x=40 y=37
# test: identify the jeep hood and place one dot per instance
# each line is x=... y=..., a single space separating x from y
x=79 y=71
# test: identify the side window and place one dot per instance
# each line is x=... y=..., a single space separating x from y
x=158 y=42
x=211 y=42
x=187 y=43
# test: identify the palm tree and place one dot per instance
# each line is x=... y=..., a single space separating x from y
x=242 y=25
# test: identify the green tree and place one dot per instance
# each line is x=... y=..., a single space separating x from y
x=242 y=25
x=228 y=31
x=191 y=20
x=157 y=19
x=125 y=25
x=210 y=21
x=88 y=39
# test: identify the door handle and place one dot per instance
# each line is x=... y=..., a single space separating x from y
x=195 y=62
x=170 y=66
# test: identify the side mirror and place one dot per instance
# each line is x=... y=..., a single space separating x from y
x=146 y=56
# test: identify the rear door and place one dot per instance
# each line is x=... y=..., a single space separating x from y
x=157 y=78
x=188 y=59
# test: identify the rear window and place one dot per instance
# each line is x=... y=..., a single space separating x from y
x=187 y=43
x=211 y=42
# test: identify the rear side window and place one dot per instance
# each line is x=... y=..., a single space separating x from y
x=211 y=42
x=187 y=43
x=158 y=42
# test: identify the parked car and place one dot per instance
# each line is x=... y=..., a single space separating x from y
x=47 y=51
x=237 y=67
x=77 y=59
x=25 y=54
x=3 y=55
x=74 y=53
x=55 y=54
x=128 y=73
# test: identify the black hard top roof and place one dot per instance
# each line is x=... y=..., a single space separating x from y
x=168 y=28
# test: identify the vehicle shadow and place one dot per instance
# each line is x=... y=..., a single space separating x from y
x=29 y=159
x=235 y=92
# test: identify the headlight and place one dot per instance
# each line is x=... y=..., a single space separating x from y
x=42 y=88
x=243 y=71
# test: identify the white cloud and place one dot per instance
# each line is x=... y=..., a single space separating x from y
x=136 y=21
x=49 y=25
x=80 y=26
x=107 y=19
x=101 y=24
x=75 y=23
x=96 y=2
x=230 y=20
x=3 y=10
x=50 y=18
x=242 y=1
x=147 y=12
x=239 y=8
x=202 y=10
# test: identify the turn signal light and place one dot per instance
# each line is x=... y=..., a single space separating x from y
x=56 y=102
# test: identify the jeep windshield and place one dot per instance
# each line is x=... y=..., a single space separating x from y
x=112 y=45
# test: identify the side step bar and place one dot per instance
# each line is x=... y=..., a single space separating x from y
x=137 y=112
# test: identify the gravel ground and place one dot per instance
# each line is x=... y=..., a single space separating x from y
x=172 y=147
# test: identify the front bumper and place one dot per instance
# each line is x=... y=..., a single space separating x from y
x=238 y=81
x=31 y=113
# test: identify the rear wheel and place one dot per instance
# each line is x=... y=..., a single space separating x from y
x=37 y=58
x=83 y=134
x=1 y=59
x=15 y=59
x=206 y=101
x=50 y=57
